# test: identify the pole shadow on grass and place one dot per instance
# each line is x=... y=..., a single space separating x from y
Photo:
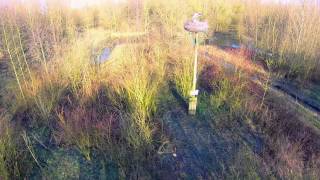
x=178 y=97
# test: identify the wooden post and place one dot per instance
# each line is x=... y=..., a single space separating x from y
x=195 y=26
x=194 y=92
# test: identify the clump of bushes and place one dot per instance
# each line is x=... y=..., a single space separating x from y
x=226 y=89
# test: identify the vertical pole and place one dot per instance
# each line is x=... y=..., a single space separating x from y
x=194 y=91
x=195 y=66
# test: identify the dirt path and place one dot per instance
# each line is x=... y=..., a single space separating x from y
x=303 y=111
x=279 y=88
x=298 y=95
x=202 y=152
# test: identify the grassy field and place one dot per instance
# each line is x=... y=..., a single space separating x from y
x=64 y=115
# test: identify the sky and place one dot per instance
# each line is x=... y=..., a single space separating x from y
x=83 y=3
x=78 y=4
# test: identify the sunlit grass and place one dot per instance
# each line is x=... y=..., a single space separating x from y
x=58 y=89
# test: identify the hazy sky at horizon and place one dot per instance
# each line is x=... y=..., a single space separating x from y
x=71 y=3
x=84 y=3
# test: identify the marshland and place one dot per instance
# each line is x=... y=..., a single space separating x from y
x=101 y=89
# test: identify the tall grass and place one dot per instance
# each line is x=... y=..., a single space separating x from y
x=12 y=158
x=4 y=144
x=183 y=72
x=139 y=81
x=113 y=107
x=290 y=33
x=229 y=100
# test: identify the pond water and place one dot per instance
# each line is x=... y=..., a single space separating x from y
x=225 y=40
x=104 y=56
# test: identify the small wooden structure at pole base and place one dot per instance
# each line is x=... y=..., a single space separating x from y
x=193 y=105
x=195 y=26
x=193 y=100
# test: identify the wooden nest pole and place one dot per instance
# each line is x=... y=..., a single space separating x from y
x=194 y=92
x=195 y=26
